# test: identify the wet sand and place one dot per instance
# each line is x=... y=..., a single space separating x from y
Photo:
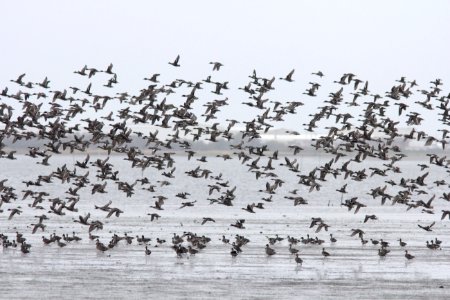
x=352 y=271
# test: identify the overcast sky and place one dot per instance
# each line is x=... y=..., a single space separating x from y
x=377 y=40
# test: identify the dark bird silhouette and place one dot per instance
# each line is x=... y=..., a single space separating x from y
x=19 y=79
x=408 y=256
x=428 y=227
x=249 y=208
x=175 y=62
x=154 y=216
x=239 y=224
x=207 y=220
x=216 y=65
x=105 y=207
x=289 y=76
x=370 y=217
x=101 y=247
x=269 y=251
x=115 y=211
x=445 y=213
x=319 y=73
x=14 y=211
x=402 y=243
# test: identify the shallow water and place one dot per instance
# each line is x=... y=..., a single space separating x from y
x=352 y=271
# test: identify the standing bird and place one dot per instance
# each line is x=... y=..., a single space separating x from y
x=101 y=247
x=408 y=256
x=383 y=251
x=402 y=243
x=269 y=251
x=25 y=248
x=332 y=239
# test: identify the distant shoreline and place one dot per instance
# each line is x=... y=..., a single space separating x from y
x=410 y=155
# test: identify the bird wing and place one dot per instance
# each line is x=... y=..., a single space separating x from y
x=111 y=212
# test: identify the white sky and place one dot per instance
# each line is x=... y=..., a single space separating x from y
x=377 y=40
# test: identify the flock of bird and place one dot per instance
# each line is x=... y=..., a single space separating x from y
x=35 y=113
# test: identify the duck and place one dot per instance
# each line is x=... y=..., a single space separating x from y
x=383 y=251
x=25 y=248
x=160 y=241
x=143 y=239
x=384 y=244
x=225 y=240
x=60 y=244
x=175 y=62
x=154 y=216
x=192 y=251
x=445 y=213
x=216 y=65
x=428 y=227
x=47 y=241
x=93 y=237
x=318 y=73
x=408 y=256
x=249 y=208
x=332 y=239
x=370 y=217
x=269 y=251
x=288 y=77
x=101 y=247
x=293 y=250
x=432 y=245
x=115 y=211
x=207 y=219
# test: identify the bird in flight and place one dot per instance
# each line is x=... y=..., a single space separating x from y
x=175 y=62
